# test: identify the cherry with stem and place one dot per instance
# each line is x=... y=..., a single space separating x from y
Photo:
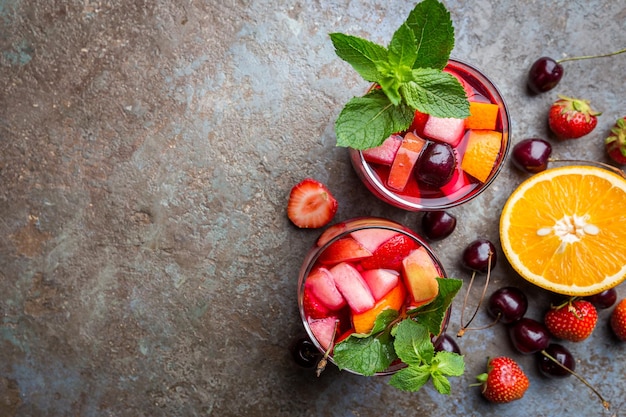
x=474 y=258
x=546 y=72
x=605 y=403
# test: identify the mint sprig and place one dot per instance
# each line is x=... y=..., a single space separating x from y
x=409 y=73
x=414 y=348
x=406 y=338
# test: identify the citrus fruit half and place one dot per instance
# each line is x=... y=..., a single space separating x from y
x=564 y=229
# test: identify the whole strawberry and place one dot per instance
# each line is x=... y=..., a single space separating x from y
x=573 y=320
x=618 y=320
x=615 y=144
x=504 y=380
x=571 y=118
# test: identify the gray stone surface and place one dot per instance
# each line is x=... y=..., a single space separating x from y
x=147 y=149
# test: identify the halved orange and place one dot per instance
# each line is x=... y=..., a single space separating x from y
x=564 y=229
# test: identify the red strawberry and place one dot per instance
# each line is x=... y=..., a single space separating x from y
x=313 y=307
x=618 y=320
x=390 y=254
x=504 y=381
x=571 y=118
x=574 y=320
x=419 y=121
x=616 y=143
x=311 y=204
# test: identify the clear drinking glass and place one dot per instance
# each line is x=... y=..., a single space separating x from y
x=318 y=257
x=462 y=187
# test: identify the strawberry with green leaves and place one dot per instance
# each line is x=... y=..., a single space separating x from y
x=618 y=320
x=572 y=118
x=504 y=380
x=573 y=320
x=616 y=142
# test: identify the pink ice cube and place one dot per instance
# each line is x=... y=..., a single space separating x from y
x=380 y=281
x=445 y=129
x=353 y=287
x=324 y=330
x=384 y=153
x=371 y=239
x=322 y=284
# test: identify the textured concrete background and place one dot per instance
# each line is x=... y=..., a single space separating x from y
x=147 y=149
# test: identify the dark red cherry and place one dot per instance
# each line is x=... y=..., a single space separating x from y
x=436 y=164
x=529 y=336
x=478 y=255
x=305 y=353
x=544 y=75
x=446 y=343
x=438 y=225
x=531 y=155
x=604 y=299
x=562 y=355
x=507 y=304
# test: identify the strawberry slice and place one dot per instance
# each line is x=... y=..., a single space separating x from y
x=419 y=121
x=311 y=204
x=344 y=250
x=313 y=307
x=390 y=254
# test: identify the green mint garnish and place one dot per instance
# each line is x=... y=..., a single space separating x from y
x=413 y=347
x=409 y=73
x=406 y=338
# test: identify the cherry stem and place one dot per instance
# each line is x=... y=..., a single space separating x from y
x=597 y=163
x=321 y=365
x=466 y=327
x=577 y=58
x=605 y=403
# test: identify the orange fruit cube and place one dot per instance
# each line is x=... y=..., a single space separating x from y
x=364 y=322
x=483 y=148
x=482 y=116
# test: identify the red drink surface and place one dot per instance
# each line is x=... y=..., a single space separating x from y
x=462 y=186
x=358 y=268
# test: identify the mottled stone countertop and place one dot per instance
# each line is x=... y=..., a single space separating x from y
x=147 y=148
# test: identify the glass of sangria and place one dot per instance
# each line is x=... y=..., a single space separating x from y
x=357 y=269
x=440 y=163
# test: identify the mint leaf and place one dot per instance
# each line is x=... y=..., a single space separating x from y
x=365 y=57
x=433 y=32
x=401 y=56
x=365 y=122
x=432 y=314
x=365 y=355
x=402 y=52
x=437 y=93
x=446 y=364
x=441 y=384
x=414 y=347
x=449 y=363
x=411 y=378
x=384 y=319
x=412 y=343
